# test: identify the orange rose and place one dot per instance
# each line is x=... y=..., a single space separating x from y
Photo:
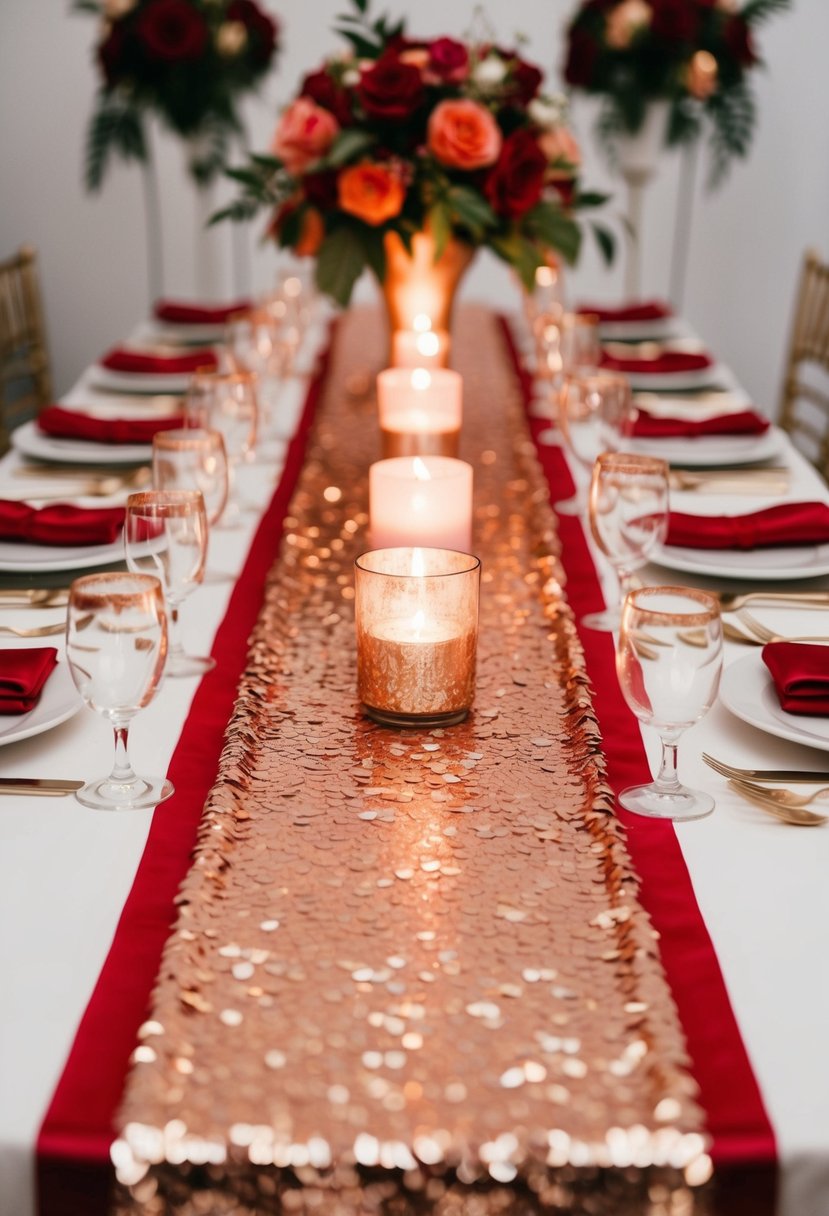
x=305 y=133
x=701 y=75
x=624 y=21
x=311 y=234
x=373 y=193
x=463 y=135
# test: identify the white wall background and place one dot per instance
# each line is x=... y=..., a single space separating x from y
x=746 y=239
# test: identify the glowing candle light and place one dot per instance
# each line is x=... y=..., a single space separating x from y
x=420 y=411
x=421 y=501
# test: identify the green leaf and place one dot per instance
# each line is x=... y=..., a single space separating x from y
x=113 y=128
x=340 y=262
x=519 y=253
x=440 y=222
x=591 y=198
x=606 y=242
x=362 y=47
x=547 y=223
x=266 y=162
x=469 y=208
x=360 y=5
x=375 y=253
x=759 y=10
x=240 y=209
x=348 y=144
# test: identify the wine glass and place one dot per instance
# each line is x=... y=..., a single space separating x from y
x=226 y=401
x=253 y=344
x=192 y=458
x=165 y=533
x=668 y=660
x=116 y=646
x=566 y=343
x=595 y=414
x=628 y=512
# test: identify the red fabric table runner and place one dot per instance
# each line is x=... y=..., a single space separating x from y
x=74 y=1174
x=743 y=1148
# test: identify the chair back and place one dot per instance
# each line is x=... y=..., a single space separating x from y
x=804 y=407
x=25 y=378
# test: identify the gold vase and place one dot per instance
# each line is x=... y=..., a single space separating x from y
x=418 y=286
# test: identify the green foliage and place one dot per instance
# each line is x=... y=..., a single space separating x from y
x=115 y=127
x=756 y=11
x=340 y=262
x=367 y=38
x=732 y=115
x=554 y=229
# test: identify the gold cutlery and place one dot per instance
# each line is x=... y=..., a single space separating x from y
x=33 y=597
x=650 y=349
x=774 y=775
x=763 y=634
x=732 y=481
x=730 y=601
x=51 y=787
x=767 y=800
x=38 y=631
x=96 y=487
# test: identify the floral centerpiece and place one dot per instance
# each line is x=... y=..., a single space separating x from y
x=694 y=54
x=401 y=138
x=187 y=61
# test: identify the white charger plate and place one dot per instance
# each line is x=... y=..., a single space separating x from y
x=137 y=382
x=59 y=701
x=31 y=441
x=747 y=691
x=20 y=558
x=710 y=451
x=762 y=565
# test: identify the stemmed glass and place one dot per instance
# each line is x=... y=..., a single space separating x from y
x=165 y=533
x=116 y=646
x=226 y=402
x=628 y=512
x=192 y=458
x=668 y=660
x=253 y=344
x=595 y=414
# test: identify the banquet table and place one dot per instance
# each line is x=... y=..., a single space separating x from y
x=737 y=900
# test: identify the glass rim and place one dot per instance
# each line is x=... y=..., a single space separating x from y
x=151 y=500
x=188 y=437
x=211 y=375
x=473 y=563
x=85 y=586
x=632 y=462
x=710 y=605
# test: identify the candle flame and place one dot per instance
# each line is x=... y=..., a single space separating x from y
x=420 y=470
x=418 y=621
x=418 y=564
x=421 y=380
x=427 y=344
x=544 y=276
x=421 y=323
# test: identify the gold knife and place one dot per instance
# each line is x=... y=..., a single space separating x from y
x=49 y=787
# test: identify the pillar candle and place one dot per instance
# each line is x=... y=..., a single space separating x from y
x=421 y=500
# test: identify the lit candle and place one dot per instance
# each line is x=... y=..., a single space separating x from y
x=420 y=411
x=421 y=500
x=417 y=629
x=420 y=346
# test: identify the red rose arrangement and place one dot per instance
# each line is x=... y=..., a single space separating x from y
x=696 y=54
x=186 y=61
x=400 y=134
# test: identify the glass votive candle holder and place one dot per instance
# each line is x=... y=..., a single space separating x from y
x=421 y=500
x=417 y=631
x=420 y=411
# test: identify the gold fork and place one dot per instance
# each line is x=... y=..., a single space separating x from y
x=764 y=634
x=789 y=807
x=39 y=631
x=763 y=775
x=731 y=601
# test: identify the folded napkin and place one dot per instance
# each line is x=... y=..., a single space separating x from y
x=790 y=523
x=800 y=671
x=746 y=422
x=644 y=310
x=180 y=312
x=59 y=524
x=666 y=364
x=122 y=359
x=23 y=673
x=71 y=424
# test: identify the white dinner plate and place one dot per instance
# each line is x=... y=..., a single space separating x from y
x=675 y=382
x=59 y=700
x=137 y=382
x=762 y=565
x=20 y=558
x=709 y=451
x=33 y=442
x=747 y=691
x=645 y=331
x=179 y=334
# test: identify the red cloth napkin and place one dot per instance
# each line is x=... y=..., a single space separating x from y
x=790 y=523
x=59 y=524
x=121 y=359
x=179 y=312
x=70 y=424
x=800 y=671
x=644 y=310
x=23 y=673
x=747 y=422
x=665 y=365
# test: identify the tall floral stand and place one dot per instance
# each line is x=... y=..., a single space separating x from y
x=638 y=156
x=420 y=288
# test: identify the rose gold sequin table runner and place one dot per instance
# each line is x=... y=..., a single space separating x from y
x=410 y=972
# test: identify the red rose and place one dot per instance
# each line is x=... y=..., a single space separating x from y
x=325 y=91
x=737 y=37
x=448 y=60
x=523 y=82
x=111 y=56
x=172 y=30
x=581 y=59
x=516 y=182
x=261 y=29
x=674 y=21
x=320 y=189
x=390 y=89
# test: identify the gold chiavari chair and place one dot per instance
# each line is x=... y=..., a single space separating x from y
x=804 y=408
x=25 y=378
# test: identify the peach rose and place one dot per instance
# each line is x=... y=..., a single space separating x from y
x=463 y=135
x=624 y=20
x=558 y=144
x=305 y=133
x=372 y=192
x=311 y=233
x=701 y=75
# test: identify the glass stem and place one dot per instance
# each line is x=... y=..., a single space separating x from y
x=667 y=781
x=176 y=647
x=122 y=771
